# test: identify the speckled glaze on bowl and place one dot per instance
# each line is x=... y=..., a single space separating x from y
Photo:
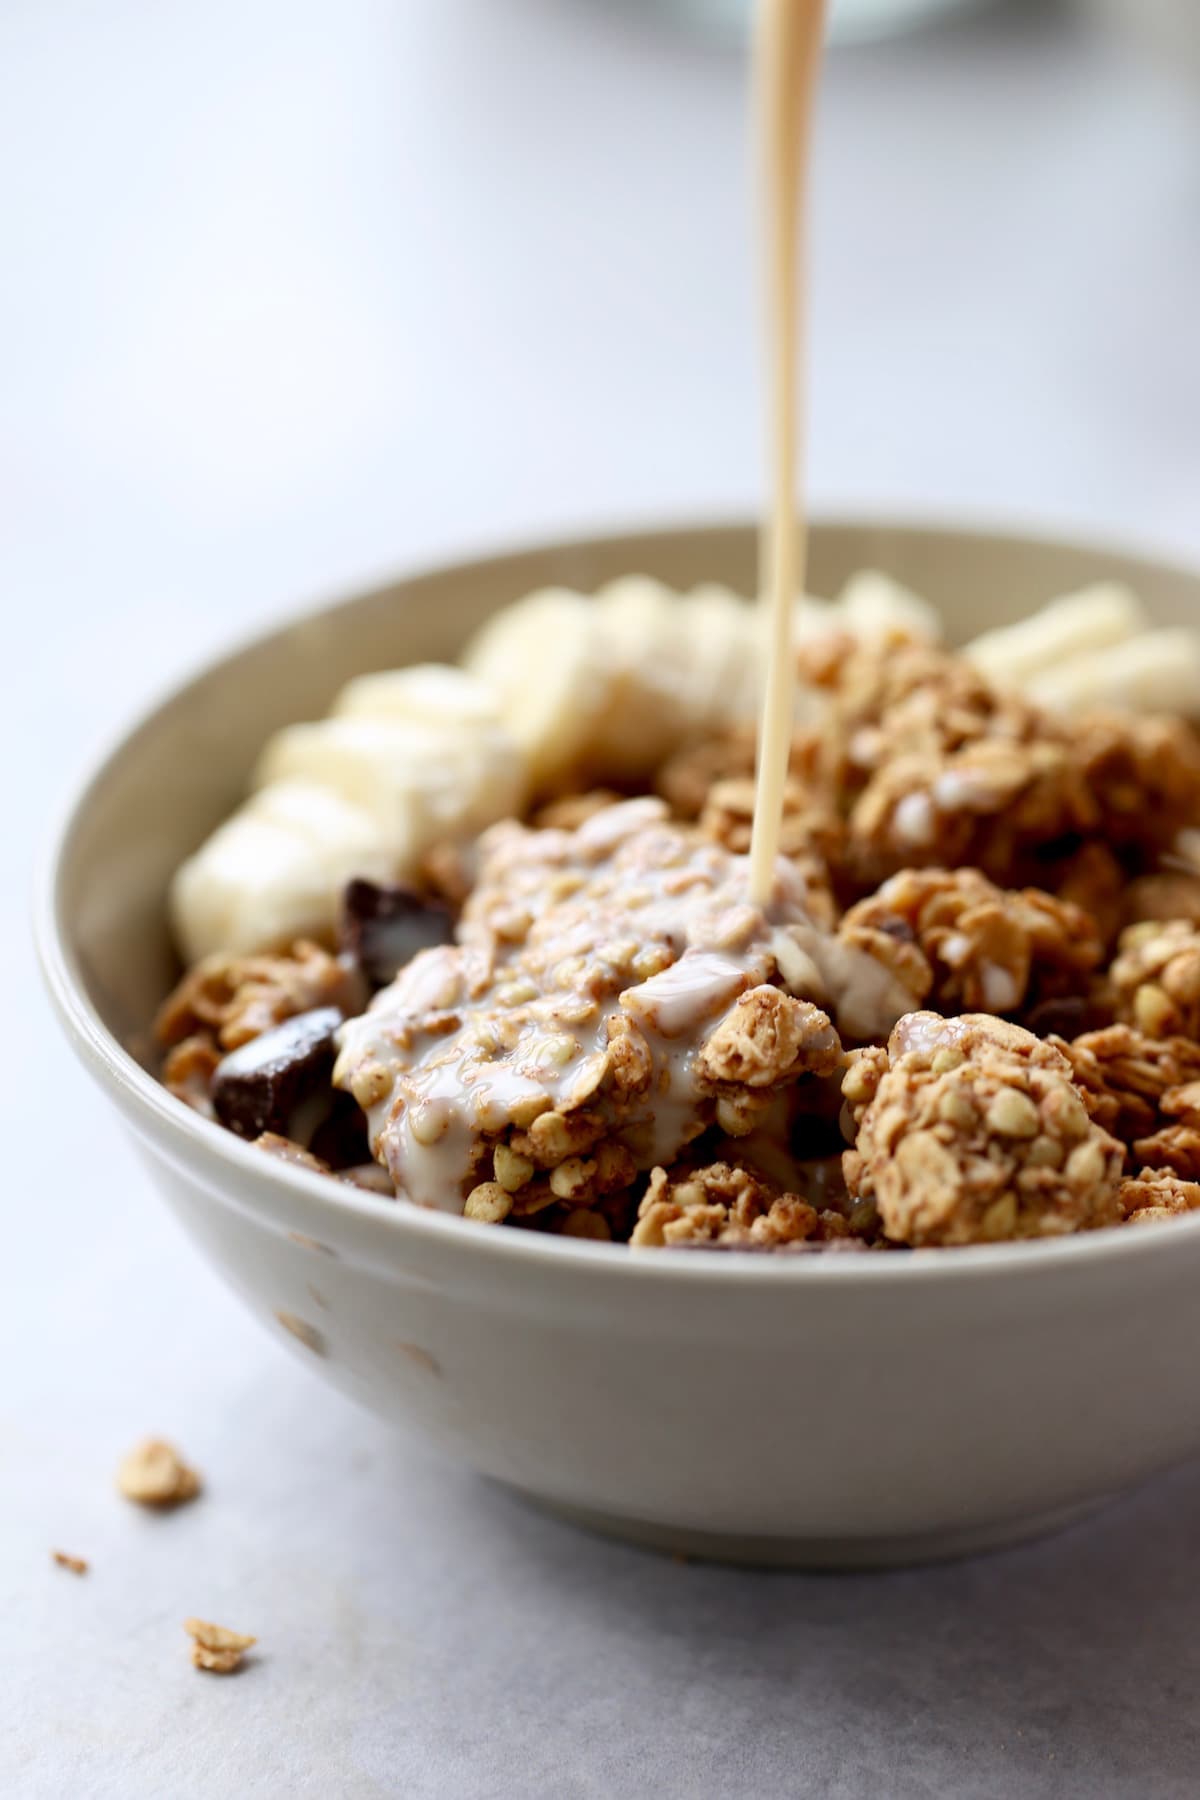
x=828 y=1411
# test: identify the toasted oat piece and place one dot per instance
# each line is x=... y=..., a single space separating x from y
x=1168 y=894
x=988 y=949
x=154 y=1474
x=1157 y=1194
x=216 y=1648
x=974 y=1131
x=1092 y=878
x=78 y=1565
x=729 y=1207
x=811 y=835
x=1126 y=1076
x=232 y=999
x=1156 y=978
x=188 y=1069
x=1174 y=1149
x=1144 y=775
x=686 y=779
x=768 y=1037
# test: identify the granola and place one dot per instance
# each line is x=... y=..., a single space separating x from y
x=215 y=1647
x=1157 y=1194
x=987 y=949
x=232 y=999
x=611 y=988
x=1156 y=978
x=975 y=1131
x=154 y=1474
x=727 y=1205
x=980 y=967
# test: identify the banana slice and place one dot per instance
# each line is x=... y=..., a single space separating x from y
x=411 y=756
x=426 y=693
x=274 y=871
x=872 y=606
x=1155 y=672
x=721 y=646
x=546 y=660
x=1075 y=625
x=650 y=703
x=419 y=781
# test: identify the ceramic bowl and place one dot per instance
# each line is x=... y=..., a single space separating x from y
x=828 y=1411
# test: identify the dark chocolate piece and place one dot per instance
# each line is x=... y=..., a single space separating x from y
x=1068 y=1017
x=270 y=1083
x=383 y=927
x=340 y=1138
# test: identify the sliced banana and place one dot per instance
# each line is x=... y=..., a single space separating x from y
x=274 y=871
x=873 y=606
x=417 y=780
x=428 y=693
x=1155 y=672
x=410 y=757
x=651 y=705
x=547 y=662
x=721 y=645
x=1074 y=625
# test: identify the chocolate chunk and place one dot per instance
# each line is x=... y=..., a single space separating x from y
x=1068 y=1017
x=265 y=1084
x=383 y=927
x=340 y=1138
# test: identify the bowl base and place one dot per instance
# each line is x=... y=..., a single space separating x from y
x=816 y=1552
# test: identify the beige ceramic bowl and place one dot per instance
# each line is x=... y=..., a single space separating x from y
x=832 y=1411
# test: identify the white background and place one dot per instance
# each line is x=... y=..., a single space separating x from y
x=294 y=294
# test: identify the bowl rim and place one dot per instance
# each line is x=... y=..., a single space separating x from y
x=190 y=1133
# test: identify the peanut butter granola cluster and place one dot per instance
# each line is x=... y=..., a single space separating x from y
x=969 y=1014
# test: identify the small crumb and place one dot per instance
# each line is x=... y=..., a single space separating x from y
x=422 y=1358
x=303 y=1332
x=78 y=1565
x=216 y=1648
x=154 y=1474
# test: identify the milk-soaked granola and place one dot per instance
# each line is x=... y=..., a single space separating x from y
x=969 y=1013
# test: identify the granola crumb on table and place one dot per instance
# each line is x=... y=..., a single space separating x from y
x=216 y=1648
x=154 y=1474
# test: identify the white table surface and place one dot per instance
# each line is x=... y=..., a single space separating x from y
x=296 y=294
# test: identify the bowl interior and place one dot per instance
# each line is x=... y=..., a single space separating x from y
x=186 y=765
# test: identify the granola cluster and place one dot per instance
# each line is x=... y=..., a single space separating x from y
x=736 y=1208
x=988 y=949
x=918 y=762
x=226 y=1001
x=970 y=1013
x=613 y=996
x=972 y=1130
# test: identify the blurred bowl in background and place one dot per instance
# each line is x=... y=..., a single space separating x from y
x=851 y=21
x=1171 y=28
